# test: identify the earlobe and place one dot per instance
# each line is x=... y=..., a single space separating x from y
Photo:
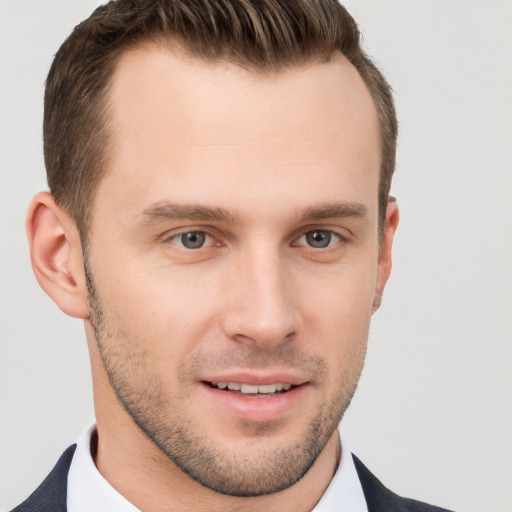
x=56 y=255
x=385 y=252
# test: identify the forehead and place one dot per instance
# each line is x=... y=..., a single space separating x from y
x=161 y=82
x=180 y=124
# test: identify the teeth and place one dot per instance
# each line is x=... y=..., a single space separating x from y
x=246 y=388
x=269 y=388
x=252 y=389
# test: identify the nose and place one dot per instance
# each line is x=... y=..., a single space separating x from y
x=261 y=307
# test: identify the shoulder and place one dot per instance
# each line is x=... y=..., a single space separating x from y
x=381 y=499
x=51 y=495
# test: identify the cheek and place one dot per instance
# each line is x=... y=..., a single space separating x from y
x=163 y=313
x=341 y=296
x=336 y=313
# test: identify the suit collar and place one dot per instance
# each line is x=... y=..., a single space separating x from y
x=380 y=499
x=51 y=495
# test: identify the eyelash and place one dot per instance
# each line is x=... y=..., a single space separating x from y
x=178 y=237
x=331 y=235
x=178 y=240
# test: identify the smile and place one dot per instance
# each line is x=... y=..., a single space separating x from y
x=251 y=389
x=255 y=397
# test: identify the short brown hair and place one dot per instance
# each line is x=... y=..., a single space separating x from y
x=259 y=35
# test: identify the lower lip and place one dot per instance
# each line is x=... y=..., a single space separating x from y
x=255 y=408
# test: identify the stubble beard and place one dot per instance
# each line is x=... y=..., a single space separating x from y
x=253 y=472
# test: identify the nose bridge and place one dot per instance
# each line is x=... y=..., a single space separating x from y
x=262 y=309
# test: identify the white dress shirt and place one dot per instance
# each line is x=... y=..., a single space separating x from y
x=88 y=491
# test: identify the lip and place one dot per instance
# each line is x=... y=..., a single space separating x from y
x=254 y=408
x=257 y=380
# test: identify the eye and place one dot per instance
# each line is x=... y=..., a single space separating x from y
x=319 y=238
x=192 y=239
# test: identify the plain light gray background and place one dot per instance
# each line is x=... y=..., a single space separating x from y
x=433 y=413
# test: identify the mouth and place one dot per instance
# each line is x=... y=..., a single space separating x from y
x=254 y=397
x=252 y=390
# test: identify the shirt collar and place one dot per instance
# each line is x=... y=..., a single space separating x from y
x=345 y=493
x=87 y=489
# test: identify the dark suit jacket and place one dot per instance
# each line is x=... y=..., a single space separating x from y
x=50 y=496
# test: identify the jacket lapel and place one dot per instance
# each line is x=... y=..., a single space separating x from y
x=51 y=495
x=381 y=499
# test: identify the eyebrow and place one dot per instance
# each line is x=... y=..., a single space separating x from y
x=172 y=211
x=334 y=210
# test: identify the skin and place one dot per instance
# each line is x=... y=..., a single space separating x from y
x=279 y=156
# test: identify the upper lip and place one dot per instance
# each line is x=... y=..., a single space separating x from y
x=256 y=379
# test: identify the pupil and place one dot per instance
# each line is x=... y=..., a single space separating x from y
x=193 y=240
x=318 y=239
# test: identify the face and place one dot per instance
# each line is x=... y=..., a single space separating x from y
x=233 y=261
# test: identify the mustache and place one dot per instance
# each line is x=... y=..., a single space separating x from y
x=285 y=356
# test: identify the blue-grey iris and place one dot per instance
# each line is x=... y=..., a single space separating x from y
x=318 y=239
x=193 y=239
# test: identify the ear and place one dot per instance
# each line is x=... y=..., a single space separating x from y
x=56 y=255
x=384 y=264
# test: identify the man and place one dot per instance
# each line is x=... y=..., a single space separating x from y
x=219 y=217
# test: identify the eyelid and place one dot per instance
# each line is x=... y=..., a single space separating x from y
x=173 y=234
x=169 y=237
x=335 y=232
x=335 y=239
